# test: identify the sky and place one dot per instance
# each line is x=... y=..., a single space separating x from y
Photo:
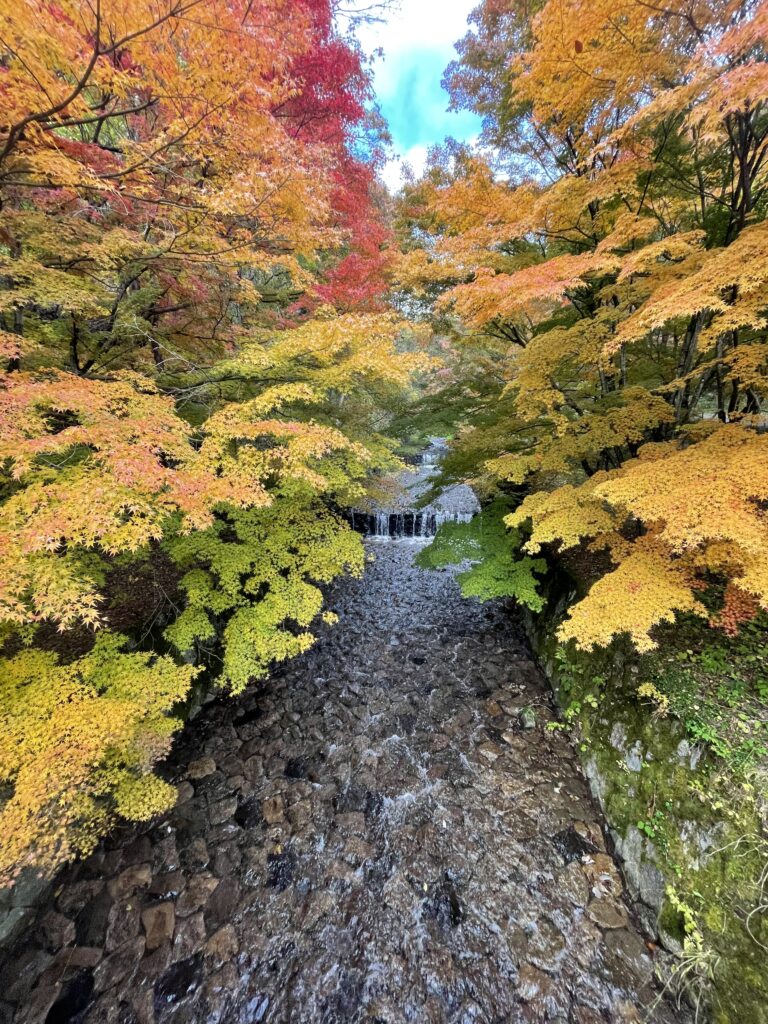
x=417 y=39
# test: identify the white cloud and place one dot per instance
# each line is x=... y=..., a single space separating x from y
x=416 y=24
x=392 y=173
x=411 y=29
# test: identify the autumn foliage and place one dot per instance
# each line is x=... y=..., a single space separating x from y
x=195 y=360
x=604 y=277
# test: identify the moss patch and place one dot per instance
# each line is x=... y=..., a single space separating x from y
x=679 y=771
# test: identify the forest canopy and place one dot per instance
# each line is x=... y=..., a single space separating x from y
x=217 y=328
x=600 y=266
x=197 y=364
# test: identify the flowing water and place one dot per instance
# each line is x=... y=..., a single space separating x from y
x=405 y=517
x=383 y=832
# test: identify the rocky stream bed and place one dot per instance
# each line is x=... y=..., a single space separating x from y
x=384 y=831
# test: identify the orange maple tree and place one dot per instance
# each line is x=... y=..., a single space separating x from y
x=195 y=354
x=606 y=286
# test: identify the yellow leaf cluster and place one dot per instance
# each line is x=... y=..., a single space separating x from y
x=77 y=744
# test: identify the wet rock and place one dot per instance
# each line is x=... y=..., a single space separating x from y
x=353 y=822
x=196 y=894
x=75 y=957
x=353 y=798
x=73 y=897
x=248 y=813
x=201 y=768
x=126 y=883
x=256 y=1008
x=356 y=849
x=280 y=869
x=300 y=814
x=489 y=752
x=572 y=884
x=92 y=921
x=120 y=966
x=607 y=914
x=40 y=1002
x=168 y=885
x=165 y=853
x=444 y=905
x=572 y=845
x=222 y=945
x=189 y=936
x=196 y=855
x=222 y=810
x=626 y=956
x=184 y=791
x=72 y=999
x=222 y=903
x=179 y=981
x=533 y=985
x=296 y=768
x=159 y=922
x=273 y=809
x=57 y=930
x=546 y=945
x=18 y=978
x=218 y=993
x=137 y=852
x=527 y=718
x=123 y=924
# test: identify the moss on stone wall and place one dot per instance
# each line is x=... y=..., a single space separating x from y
x=689 y=832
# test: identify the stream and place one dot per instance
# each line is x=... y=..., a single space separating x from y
x=375 y=834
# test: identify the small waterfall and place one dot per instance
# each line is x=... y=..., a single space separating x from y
x=456 y=504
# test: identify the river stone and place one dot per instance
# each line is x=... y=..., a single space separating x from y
x=528 y=718
x=196 y=854
x=273 y=809
x=72 y=898
x=218 y=992
x=159 y=921
x=607 y=914
x=196 y=894
x=201 y=768
x=546 y=945
x=120 y=966
x=533 y=984
x=189 y=936
x=573 y=885
x=75 y=957
x=627 y=954
x=184 y=791
x=222 y=903
x=222 y=811
x=353 y=822
x=168 y=885
x=455 y=870
x=180 y=980
x=138 y=852
x=138 y=875
x=222 y=945
x=123 y=924
x=57 y=930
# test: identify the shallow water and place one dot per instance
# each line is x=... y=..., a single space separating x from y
x=370 y=836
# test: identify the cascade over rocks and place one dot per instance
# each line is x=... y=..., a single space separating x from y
x=405 y=516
